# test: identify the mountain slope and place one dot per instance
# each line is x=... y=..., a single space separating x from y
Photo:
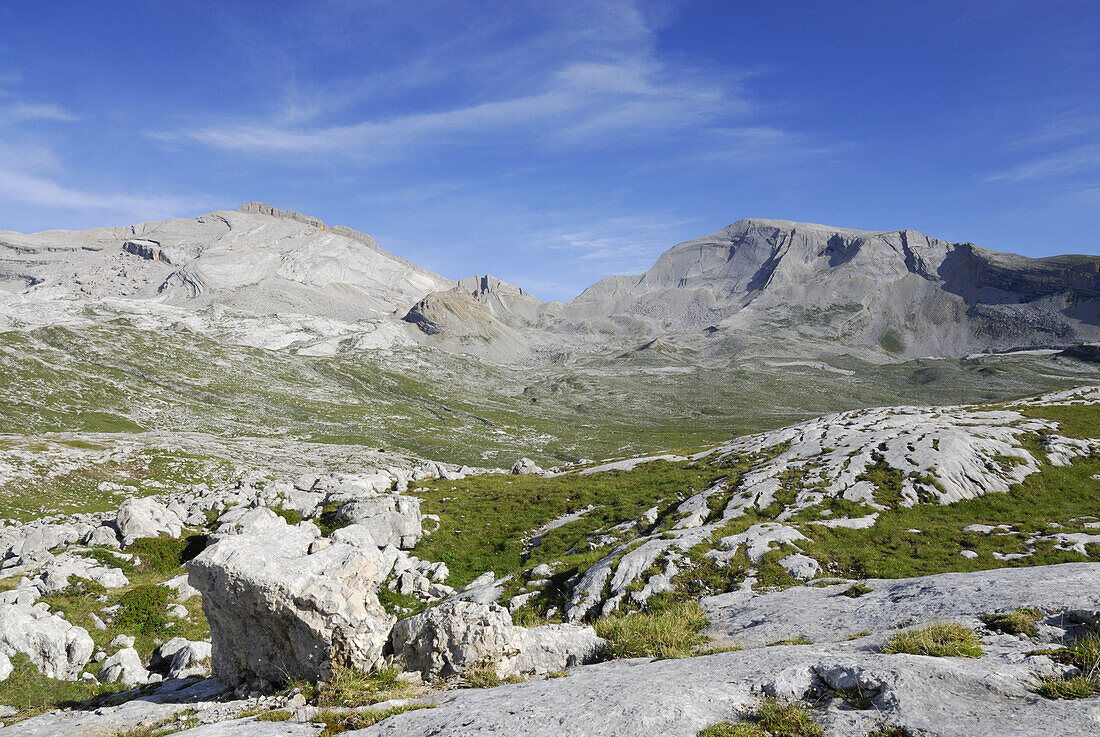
x=900 y=292
x=258 y=260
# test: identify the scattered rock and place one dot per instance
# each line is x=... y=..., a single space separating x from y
x=449 y=639
x=56 y=647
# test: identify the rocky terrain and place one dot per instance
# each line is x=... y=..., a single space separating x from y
x=260 y=477
x=746 y=568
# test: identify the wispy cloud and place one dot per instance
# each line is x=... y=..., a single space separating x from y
x=1077 y=160
x=37 y=191
x=591 y=78
x=29 y=111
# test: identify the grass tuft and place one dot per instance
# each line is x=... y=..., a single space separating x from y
x=1022 y=621
x=773 y=718
x=937 y=640
x=1074 y=687
x=670 y=632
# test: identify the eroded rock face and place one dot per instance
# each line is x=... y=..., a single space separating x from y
x=126 y=667
x=146 y=518
x=450 y=639
x=278 y=611
x=59 y=649
x=389 y=519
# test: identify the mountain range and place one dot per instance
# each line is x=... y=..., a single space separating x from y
x=770 y=286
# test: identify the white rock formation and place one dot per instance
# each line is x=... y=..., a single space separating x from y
x=449 y=639
x=58 y=648
x=278 y=611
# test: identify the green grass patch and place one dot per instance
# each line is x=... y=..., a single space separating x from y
x=485 y=519
x=671 y=632
x=1056 y=494
x=1021 y=621
x=32 y=693
x=937 y=640
x=166 y=554
x=773 y=718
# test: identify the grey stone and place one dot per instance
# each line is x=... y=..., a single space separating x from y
x=56 y=647
x=449 y=639
x=125 y=667
x=277 y=612
x=390 y=519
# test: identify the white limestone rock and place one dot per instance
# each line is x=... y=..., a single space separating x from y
x=800 y=566
x=58 y=649
x=525 y=467
x=145 y=517
x=277 y=612
x=125 y=667
x=390 y=519
x=449 y=639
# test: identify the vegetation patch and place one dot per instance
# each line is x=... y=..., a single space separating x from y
x=1073 y=687
x=773 y=718
x=662 y=632
x=32 y=693
x=143 y=609
x=338 y=722
x=166 y=554
x=937 y=640
x=353 y=688
x=277 y=715
x=856 y=590
x=1022 y=621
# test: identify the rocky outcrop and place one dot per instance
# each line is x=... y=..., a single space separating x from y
x=143 y=517
x=388 y=519
x=452 y=638
x=283 y=603
x=181 y=658
x=125 y=667
x=58 y=648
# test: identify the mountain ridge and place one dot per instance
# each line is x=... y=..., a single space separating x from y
x=755 y=284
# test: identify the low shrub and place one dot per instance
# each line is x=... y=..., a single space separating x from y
x=143 y=609
x=937 y=640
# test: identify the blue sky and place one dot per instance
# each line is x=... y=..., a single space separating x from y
x=554 y=143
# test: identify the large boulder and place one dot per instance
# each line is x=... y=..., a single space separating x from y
x=59 y=649
x=391 y=519
x=143 y=517
x=284 y=603
x=456 y=636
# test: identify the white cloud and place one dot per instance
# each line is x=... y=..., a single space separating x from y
x=29 y=189
x=1078 y=160
x=592 y=77
x=27 y=111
